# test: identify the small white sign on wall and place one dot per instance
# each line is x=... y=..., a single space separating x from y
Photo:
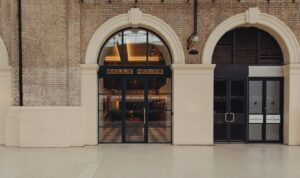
x=273 y=119
x=256 y=119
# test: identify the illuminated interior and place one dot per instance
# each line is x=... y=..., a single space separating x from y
x=135 y=108
x=135 y=46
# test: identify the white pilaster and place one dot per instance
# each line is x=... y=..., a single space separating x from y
x=89 y=99
x=291 y=104
x=5 y=97
x=193 y=104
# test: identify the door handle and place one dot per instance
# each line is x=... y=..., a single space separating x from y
x=226 y=117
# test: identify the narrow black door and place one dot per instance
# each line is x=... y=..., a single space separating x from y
x=229 y=110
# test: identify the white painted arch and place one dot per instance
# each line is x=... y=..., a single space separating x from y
x=134 y=18
x=5 y=87
x=254 y=18
x=3 y=54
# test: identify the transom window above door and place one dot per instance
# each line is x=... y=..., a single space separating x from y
x=135 y=47
x=247 y=46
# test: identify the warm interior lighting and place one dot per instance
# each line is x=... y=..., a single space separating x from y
x=133 y=58
x=114 y=55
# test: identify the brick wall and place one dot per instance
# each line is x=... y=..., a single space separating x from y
x=56 y=34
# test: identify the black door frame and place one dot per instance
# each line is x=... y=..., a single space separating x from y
x=264 y=80
x=167 y=74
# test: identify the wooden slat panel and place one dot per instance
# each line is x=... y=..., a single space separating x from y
x=223 y=53
x=249 y=46
x=270 y=52
x=246 y=46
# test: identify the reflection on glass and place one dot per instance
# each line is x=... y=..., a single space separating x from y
x=157 y=50
x=159 y=110
x=220 y=97
x=273 y=97
x=135 y=42
x=237 y=98
x=112 y=51
x=134 y=47
x=255 y=97
x=255 y=132
x=272 y=132
x=110 y=115
x=135 y=110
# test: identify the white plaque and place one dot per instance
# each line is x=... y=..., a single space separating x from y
x=256 y=119
x=273 y=119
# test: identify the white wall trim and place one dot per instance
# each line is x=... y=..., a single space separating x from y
x=44 y=126
x=3 y=54
x=253 y=17
x=265 y=71
x=134 y=18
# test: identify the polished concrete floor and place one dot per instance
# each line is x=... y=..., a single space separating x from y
x=152 y=161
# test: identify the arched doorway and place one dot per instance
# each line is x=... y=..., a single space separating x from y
x=135 y=88
x=248 y=106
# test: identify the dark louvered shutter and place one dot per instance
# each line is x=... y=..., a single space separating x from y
x=223 y=53
x=247 y=46
x=270 y=52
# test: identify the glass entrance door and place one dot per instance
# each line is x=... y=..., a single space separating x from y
x=265 y=110
x=135 y=110
x=229 y=110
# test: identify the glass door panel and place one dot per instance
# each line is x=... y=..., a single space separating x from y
x=135 y=110
x=159 y=110
x=220 y=108
x=237 y=110
x=273 y=116
x=110 y=111
x=255 y=110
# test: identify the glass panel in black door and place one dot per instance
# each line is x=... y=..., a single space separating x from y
x=135 y=110
x=256 y=116
x=220 y=108
x=236 y=115
x=159 y=110
x=273 y=110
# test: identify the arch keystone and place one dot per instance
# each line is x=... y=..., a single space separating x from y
x=252 y=15
x=135 y=17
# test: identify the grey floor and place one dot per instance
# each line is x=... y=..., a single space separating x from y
x=152 y=161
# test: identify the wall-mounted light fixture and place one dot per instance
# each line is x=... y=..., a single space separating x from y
x=193 y=39
x=191 y=44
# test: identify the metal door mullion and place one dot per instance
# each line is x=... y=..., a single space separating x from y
x=245 y=108
x=264 y=105
x=123 y=86
x=228 y=125
x=146 y=87
x=281 y=108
